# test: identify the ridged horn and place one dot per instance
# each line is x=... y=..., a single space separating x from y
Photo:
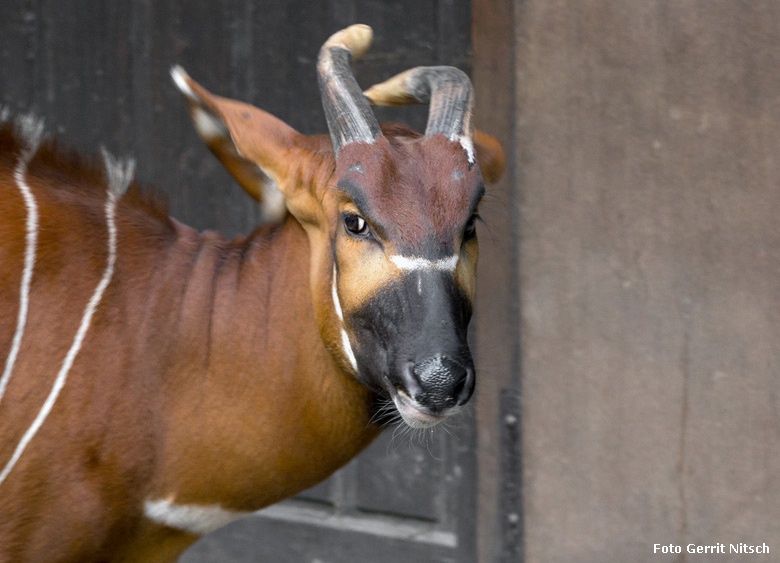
x=350 y=118
x=447 y=90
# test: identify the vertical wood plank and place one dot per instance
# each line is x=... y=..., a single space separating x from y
x=497 y=307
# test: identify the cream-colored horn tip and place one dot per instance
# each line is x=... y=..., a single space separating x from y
x=355 y=38
x=374 y=94
x=392 y=92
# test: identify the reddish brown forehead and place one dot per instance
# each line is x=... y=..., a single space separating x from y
x=418 y=193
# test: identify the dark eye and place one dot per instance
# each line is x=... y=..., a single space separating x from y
x=471 y=228
x=356 y=225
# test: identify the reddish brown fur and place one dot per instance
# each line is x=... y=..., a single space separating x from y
x=213 y=371
x=185 y=372
x=399 y=174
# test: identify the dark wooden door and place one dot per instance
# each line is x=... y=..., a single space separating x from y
x=98 y=73
x=403 y=500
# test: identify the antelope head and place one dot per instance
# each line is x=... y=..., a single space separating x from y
x=389 y=215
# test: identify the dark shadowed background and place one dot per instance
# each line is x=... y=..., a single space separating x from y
x=628 y=325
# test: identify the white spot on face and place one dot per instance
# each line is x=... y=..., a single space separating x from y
x=416 y=263
x=191 y=518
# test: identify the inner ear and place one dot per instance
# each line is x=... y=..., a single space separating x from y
x=260 y=151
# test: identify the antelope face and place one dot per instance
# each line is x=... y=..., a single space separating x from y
x=405 y=248
x=390 y=219
x=405 y=254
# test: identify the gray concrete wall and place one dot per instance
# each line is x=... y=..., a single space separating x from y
x=647 y=155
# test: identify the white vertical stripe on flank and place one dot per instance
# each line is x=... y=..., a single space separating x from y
x=118 y=179
x=31 y=130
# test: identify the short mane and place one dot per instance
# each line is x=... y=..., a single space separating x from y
x=60 y=167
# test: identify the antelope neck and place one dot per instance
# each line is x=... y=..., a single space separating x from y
x=253 y=367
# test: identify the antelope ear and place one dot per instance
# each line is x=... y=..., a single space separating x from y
x=254 y=146
x=490 y=156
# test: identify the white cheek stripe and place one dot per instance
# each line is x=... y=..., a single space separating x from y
x=118 y=179
x=348 y=349
x=335 y=296
x=344 y=336
x=33 y=133
x=416 y=263
x=194 y=519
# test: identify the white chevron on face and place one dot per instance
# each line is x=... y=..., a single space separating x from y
x=416 y=263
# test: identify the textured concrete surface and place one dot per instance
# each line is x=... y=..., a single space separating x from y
x=648 y=137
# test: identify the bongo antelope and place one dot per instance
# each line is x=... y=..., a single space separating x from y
x=157 y=383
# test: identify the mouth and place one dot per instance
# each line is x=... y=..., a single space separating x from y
x=412 y=413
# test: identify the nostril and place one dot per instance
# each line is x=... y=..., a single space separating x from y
x=458 y=387
x=464 y=387
x=410 y=381
x=444 y=382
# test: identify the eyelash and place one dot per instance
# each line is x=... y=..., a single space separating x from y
x=471 y=227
